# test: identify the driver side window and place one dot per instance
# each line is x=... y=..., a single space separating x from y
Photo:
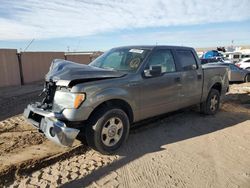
x=163 y=58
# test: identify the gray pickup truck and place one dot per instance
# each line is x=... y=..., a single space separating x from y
x=123 y=86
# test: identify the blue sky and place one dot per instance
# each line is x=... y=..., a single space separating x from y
x=80 y=25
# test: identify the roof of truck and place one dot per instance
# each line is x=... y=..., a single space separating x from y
x=150 y=47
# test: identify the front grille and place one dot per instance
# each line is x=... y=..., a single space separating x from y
x=49 y=91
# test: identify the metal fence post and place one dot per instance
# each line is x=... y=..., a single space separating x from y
x=20 y=67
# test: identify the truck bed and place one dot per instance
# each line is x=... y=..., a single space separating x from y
x=211 y=74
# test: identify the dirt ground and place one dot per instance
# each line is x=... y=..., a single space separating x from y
x=181 y=149
x=14 y=99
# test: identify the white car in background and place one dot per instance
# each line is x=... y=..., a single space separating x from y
x=244 y=63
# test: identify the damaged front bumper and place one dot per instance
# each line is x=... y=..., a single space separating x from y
x=47 y=122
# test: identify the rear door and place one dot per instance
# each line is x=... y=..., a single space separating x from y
x=191 y=77
x=160 y=94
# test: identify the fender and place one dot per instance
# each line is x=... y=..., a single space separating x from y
x=112 y=93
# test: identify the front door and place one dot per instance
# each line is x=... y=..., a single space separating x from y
x=160 y=93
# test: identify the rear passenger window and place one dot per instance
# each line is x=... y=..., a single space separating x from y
x=187 y=60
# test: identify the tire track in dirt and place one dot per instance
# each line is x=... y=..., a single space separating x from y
x=150 y=170
x=67 y=170
x=19 y=140
x=14 y=124
x=16 y=134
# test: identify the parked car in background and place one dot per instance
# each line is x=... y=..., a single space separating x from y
x=235 y=73
x=234 y=57
x=212 y=54
x=227 y=60
x=214 y=60
x=244 y=63
x=245 y=53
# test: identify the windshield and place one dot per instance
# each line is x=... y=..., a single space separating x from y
x=121 y=59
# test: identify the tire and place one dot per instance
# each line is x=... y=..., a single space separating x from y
x=247 y=78
x=212 y=104
x=107 y=130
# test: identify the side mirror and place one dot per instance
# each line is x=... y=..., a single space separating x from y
x=154 y=71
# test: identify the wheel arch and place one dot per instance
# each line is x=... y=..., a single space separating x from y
x=217 y=86
x=119 y=103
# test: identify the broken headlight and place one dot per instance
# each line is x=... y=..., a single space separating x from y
x=64 y=99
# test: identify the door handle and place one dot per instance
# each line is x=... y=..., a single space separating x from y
x=177 y=79
x=199 y=76
x=133 y=84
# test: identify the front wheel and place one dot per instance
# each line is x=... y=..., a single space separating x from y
x=107 y=130
x=211 y=105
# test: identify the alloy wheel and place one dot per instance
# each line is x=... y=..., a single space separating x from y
x=112 y=131
x=213 y=103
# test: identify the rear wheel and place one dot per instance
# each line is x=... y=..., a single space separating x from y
x=247 y=78
x=107 y=130
x=211 y=105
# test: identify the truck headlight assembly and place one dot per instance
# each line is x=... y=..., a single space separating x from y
x=64 y=99
x=79 y=98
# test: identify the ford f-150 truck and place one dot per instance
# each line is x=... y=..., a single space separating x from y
x=123 y=86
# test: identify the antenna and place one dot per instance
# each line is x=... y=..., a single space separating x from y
x=29 y=45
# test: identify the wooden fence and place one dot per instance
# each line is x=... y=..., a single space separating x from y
x=9 y=68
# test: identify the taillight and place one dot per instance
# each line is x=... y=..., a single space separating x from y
x=237 y=64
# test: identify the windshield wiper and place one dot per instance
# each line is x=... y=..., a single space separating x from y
x=108 y=68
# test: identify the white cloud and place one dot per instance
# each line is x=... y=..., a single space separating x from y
x=205 y=37
x=39 y=19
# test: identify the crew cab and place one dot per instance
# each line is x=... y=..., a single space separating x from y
x=123 y=86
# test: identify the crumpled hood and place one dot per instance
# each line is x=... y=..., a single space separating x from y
x=66 y=72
